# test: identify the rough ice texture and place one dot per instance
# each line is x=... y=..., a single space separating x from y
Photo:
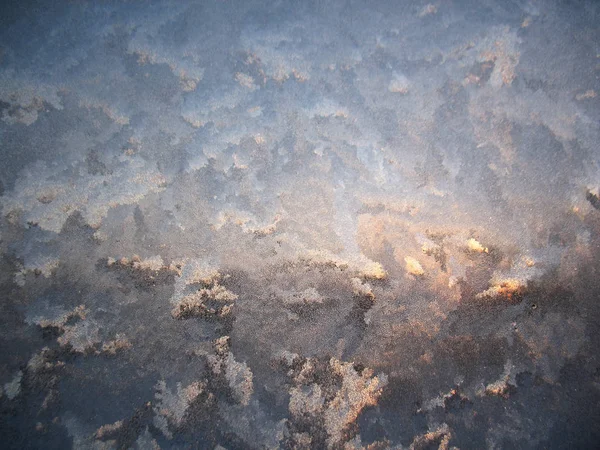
x=299 y=224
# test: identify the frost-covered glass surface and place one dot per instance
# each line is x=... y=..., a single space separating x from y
x=276 y=224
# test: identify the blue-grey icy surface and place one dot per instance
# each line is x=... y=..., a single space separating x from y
x=283 y=224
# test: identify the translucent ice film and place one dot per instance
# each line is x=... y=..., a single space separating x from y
x=286 y=224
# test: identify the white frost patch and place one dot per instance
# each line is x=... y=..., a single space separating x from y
x=44 y=265
x=252 y=424
x=193 y=271
x=293 y=297
x=171 y=407
x=501 y=386
x=145 y=441
x=306 y=400
x=277 y=53
x=360 y=288
x=83 y=435
x=27 y=98
x=357 y=392
x=238 y=374
x=154 y=263
x=13 y=387
x=502 y=48
x=359 y=263
x=399 y=84
x=48 y=195
x=327 y=108
x=45 y=314
x=82 y=336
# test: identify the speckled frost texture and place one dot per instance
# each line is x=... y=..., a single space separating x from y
x=275 y=224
